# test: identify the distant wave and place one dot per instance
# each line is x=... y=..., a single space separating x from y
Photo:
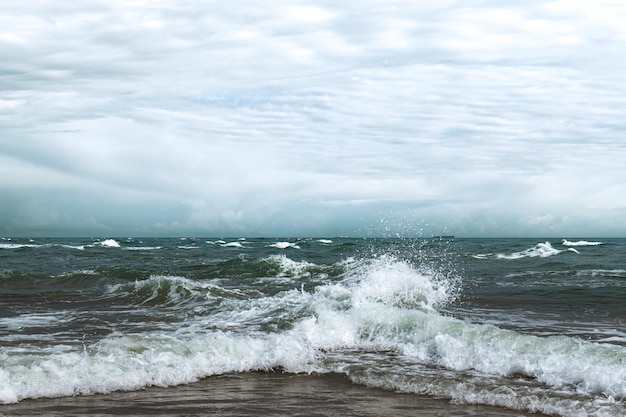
x=231 y=245
x=109 y=243
x=77 y=247
x=580 y=243
x=541 y=250
x=17 y=245
x=32 y=245
x=144 y=248
x=169 y=290
x=284 y=245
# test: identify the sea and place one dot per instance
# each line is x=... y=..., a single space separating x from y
x=531 y=325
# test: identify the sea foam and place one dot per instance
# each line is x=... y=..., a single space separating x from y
x=394 y=307
x=134 y=362
x=284 y=245
x=580 y=243
x=540 y=250
x=231 y=245
x=109 y=243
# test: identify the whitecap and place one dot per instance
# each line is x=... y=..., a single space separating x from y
x=77 y=247
x=231 y=245
x=17 y=246
x=168 y=289
x=284 y=245
x=133 y=362
x=542 y=250
x=109 y=243
x=143 y=248
x=290 y=268
x=580 y=243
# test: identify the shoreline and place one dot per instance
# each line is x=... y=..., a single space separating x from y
x=254 y=394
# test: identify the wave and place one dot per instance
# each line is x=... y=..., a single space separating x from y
x=284 y=245
x=168 y=291
x=232 y=245
x=394 y=307
x=132 y=362
x=33 y=245
x=380 y=321
x=540 y=250
x=280 y=266
x=237 y=244
x=109 y=243
x=143 y=248
x=17 y=245
x=77 y=247
x=580 y=243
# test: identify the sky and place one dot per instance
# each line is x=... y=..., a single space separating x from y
x=326 y=118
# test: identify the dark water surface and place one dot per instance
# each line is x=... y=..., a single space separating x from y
x=536 y=325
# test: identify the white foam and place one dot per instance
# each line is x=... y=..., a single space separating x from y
x=77 y=247
x=109 y=243
x=542 y=250
x=168 y=289
x=394 y=307
x=394 y=282
x=31 y=320
x=378 y=300
x=232 y=245
x=133 y=362
x=284 y=245
x=500 y=392
x=17 y=245
x=289 y=267
x=32 y=245
x=325 y=241
x=143 y=248
x=580 y=243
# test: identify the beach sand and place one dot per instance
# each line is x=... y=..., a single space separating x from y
x=254 y=394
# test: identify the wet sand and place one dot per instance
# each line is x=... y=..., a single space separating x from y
x=254 y=394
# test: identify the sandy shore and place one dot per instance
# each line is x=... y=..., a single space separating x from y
x=254 y=394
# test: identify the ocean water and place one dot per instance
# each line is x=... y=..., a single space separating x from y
x=535 y=325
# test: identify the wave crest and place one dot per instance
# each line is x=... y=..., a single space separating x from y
x=566 y=242
x=167 y=290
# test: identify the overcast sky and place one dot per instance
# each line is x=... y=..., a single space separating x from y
x=326 y=118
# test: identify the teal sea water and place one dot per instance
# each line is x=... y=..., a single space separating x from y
x=536 y=325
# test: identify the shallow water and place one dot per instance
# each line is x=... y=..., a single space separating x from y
x=254 y=394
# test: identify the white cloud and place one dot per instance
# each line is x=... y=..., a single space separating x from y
x=290 y=117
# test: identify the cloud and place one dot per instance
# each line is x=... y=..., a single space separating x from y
x=286 y=118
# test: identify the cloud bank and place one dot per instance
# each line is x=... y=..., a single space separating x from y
x=283 y=118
